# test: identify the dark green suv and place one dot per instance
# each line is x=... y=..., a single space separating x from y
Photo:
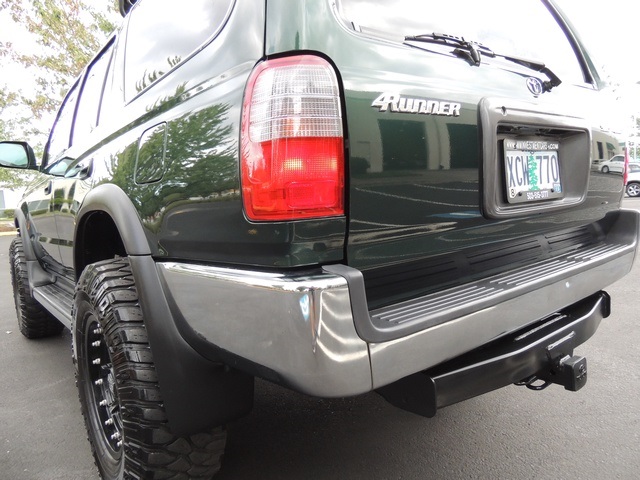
x=337 y=196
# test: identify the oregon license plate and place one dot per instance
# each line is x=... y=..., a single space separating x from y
x=532 y=170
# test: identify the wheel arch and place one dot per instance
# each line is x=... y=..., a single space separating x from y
x=20 y=222
x=198 y=393
x=37 y=275
x=107 y=213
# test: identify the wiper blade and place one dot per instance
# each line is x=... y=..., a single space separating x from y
x=473 y=51
x=474 y=48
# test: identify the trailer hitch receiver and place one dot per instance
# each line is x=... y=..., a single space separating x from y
x=574 y=369
x=567 y=369
x=570 y=372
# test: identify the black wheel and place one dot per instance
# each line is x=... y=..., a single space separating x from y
x=633 y=189
x=118 y=389
x=33 y=320
x=605 y=169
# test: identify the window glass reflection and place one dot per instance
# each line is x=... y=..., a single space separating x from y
x=524 y=28
x=161 y=35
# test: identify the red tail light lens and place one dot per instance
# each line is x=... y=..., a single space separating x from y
x=292 y=141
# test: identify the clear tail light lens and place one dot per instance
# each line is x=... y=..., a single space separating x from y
x=292 y=162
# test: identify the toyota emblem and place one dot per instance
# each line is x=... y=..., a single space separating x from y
x=535 y=86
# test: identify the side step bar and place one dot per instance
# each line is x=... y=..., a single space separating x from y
x=543 y=351
x=57 y=300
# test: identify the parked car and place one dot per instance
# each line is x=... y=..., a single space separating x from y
x=615 y=164
x=324 y=194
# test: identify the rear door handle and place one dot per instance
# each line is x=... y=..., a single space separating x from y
x=47 y=189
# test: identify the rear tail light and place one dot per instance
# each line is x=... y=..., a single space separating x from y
x=292 y=163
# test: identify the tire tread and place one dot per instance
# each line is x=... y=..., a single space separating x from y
x=34 y=321
x=151 y=449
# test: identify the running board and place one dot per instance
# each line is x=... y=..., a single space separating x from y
x=57 y=300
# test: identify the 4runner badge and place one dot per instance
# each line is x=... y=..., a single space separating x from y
x=397 y=103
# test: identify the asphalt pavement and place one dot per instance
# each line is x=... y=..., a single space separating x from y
x=512 y=433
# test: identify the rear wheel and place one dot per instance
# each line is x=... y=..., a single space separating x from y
x=33 y=320
x=633 y=189
x=118 y=388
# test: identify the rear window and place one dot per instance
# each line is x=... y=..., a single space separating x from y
x=523 y=28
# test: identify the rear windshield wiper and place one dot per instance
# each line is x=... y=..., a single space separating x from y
x=473 y=48
x=473 y=51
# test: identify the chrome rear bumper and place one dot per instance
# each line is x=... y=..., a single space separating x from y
x=308 y=328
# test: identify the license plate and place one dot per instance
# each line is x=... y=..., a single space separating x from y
x=532 y=170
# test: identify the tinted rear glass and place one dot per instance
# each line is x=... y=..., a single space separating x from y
x=523 y=28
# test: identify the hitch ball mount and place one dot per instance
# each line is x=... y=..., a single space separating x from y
x=567 y=370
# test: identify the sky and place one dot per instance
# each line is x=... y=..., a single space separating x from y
x=611 y=30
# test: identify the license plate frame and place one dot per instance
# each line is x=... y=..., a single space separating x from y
x=532 y=170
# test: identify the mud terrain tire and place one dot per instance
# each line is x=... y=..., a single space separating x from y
x=118 y=388
x=33 y=320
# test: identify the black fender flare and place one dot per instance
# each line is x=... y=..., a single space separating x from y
x=112 y=200
x=197 y=392
x=37 y=275
x=20 y=221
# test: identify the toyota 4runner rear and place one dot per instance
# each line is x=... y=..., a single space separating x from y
x=337 y=196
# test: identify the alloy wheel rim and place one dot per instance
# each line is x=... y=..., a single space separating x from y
x=102 y=385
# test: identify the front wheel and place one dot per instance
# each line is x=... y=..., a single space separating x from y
x=605 y=169
x=633 y=189
x=33 y=320
x=118 y=388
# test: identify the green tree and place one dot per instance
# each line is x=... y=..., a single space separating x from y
x=6 y=127
x=68 y=33
x=10 y=178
